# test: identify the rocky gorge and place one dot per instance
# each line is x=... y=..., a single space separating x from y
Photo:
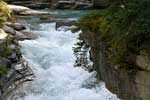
x=120 y=59
x=127 y=84
x=18 y=63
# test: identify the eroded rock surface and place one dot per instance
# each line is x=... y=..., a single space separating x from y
x=14 y=70
x=128 y=83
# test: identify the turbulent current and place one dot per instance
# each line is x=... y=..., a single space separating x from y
x=52 y=60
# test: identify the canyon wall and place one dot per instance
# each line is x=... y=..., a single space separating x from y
x=127 y=84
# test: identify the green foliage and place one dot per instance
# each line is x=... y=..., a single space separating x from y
x=5 y=49
x=91 y=21
x=4 y=12
x=124 y=26
x=3 y=70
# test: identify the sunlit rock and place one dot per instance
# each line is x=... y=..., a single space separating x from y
x=3 y=35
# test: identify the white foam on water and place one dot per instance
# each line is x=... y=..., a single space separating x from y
x=52 y=59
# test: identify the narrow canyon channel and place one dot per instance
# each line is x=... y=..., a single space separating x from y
x=52 y=60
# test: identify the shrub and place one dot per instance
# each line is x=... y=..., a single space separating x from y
x=4 y=12
x=124 y=26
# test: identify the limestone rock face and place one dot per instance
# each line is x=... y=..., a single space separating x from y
x=127 y=84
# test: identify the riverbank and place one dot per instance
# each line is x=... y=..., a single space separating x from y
x=119 y=41
x=14 y=70
x=52 y=59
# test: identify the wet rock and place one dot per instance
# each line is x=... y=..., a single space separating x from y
x=25 y=35
x=20 y=36
x=5 y=62
x=13 y=57
x=16 y=26
x=30 y=35
x=11 y=76
x=64 y=23
x=65 y=4
x=18 y=74
x=9 y=30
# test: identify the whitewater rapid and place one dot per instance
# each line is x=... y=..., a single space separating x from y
x=51 y=58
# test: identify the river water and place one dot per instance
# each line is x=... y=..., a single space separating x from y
x=52 y=60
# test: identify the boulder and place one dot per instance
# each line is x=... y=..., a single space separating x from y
x=20 y=36
x=30 y=35
x=18 y=9
x=33 y=13
x=25 y=35
x=21 y=10
x=64 y=23
x=13 y=57
x=9 y=30
x=64 y=4
x=16 y=26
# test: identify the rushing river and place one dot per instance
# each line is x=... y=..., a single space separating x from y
x=52 y=60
